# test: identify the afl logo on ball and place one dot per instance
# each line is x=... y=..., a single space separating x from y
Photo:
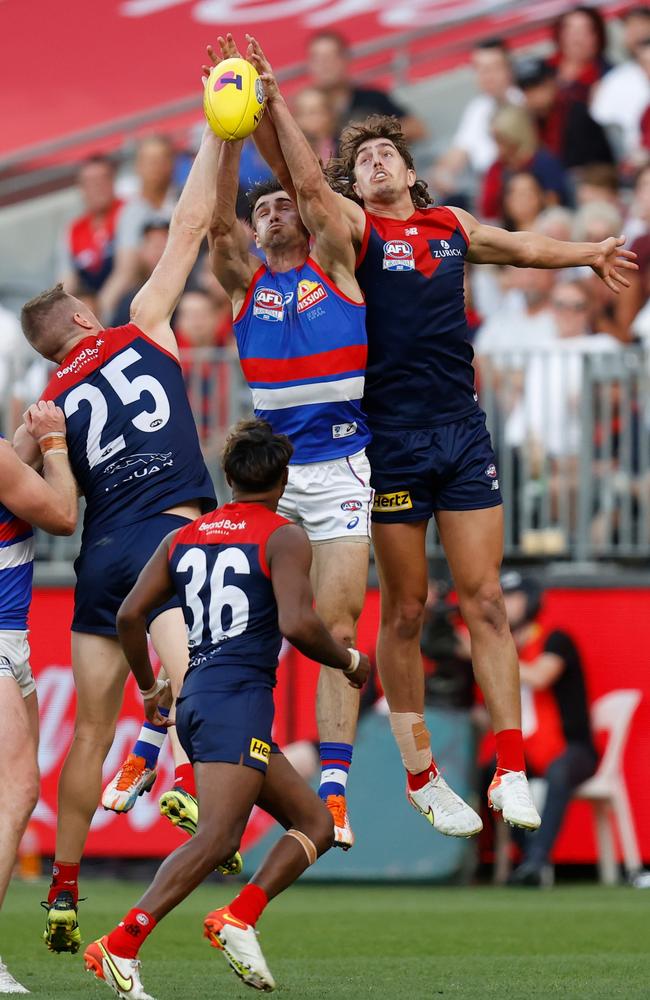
x=398 y=256
x=259 y=91
x=268 y=304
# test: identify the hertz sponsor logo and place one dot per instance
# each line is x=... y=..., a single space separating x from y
x=310 y=293
x=392 y=501
x=259 y=750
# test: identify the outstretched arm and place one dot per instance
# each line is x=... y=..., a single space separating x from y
x=154 y=304
x=232 y=263
x=490 y=245
x=320 y=208
x=288 y=554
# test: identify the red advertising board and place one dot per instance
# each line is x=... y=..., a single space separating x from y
x=611 y=628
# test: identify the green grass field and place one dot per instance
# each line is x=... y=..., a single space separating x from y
x=386 y=943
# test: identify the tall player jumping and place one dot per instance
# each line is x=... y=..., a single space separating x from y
x=135 y=453
x=51 y=503
x=430 y=452
x=299 y=321
x=242 y=575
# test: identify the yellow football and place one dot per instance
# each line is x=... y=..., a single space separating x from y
x=233 y=99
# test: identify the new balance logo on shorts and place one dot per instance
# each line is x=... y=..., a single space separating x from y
x=392 y=501
x=260 y=750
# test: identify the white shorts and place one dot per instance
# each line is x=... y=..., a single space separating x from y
x=330 y=500
x=14 y=660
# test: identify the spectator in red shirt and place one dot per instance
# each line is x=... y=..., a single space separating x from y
x=87 y=246
x=580 y=37
x=563 y=121
x=519 y=150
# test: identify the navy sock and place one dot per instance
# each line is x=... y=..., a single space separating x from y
x=335 y=759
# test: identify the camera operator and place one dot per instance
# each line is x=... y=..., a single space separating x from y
x=558 y=743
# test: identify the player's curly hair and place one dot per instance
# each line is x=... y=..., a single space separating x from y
x=340 y=170
x=254 y=458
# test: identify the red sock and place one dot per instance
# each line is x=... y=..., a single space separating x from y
x=419 y=780
x=184 y=778
x=131 y=933
x=510 y=750
x=64 y=879
x=249 y=904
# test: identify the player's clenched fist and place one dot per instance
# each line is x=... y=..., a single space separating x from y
x=44 y=417
x=358 y=677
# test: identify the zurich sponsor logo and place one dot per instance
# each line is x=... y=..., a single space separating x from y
x=351 y=505
x=445 y=250
x=268 y=304
x=398 y=256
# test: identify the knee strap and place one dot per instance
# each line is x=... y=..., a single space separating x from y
x=307 y=845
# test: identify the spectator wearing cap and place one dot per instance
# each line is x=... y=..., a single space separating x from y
x=473 y=146
x=558 y=742
x=149 y=251
x=519 y=149
x=620 y=98
x=86 y=249
x=156 y=200
x=580 y=37
x=564 y=124
x=328 y=61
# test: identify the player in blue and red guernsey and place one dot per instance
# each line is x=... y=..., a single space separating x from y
x=51 y=503
x=299 y=321
x=135 y=453
x=430 y=452
x=242 y=576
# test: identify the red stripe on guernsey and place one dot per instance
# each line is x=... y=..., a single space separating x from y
x=249 y=294
x=14 y=529
x=232 y=524
x=336 y=362
x=90 y=353
x=330 y=284
x=364 y=242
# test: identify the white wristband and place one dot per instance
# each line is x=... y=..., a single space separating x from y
x=355 y=659
x=156 y=688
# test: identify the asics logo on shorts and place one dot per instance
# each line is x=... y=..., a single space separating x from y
x=260 y=750
x=400 y=500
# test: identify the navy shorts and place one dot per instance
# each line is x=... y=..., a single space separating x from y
x=419 y=470
x=108 y=566
x=229 y=726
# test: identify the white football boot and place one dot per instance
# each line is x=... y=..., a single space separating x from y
x=444 y=809
x=238 y=941
x=121 y=974
x=7 y=982
x=509 y=794
x=134 y=778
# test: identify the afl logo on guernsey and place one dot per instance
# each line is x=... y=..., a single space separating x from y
x=268 y=304
x=398 y=256
x=309 y=294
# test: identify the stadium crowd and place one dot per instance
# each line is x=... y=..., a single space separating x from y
x=556 y=143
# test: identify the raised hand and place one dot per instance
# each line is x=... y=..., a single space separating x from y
x=612 y=260
x=361 y=674
x=227 y=50
x=256 y=57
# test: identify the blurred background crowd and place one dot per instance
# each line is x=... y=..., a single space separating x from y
x=553 y=138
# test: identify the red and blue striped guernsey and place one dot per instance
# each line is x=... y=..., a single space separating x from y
x=16 y=570
x=303 y=349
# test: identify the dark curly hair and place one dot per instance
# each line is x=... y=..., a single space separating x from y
x=254 y=458
x=340 y=170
